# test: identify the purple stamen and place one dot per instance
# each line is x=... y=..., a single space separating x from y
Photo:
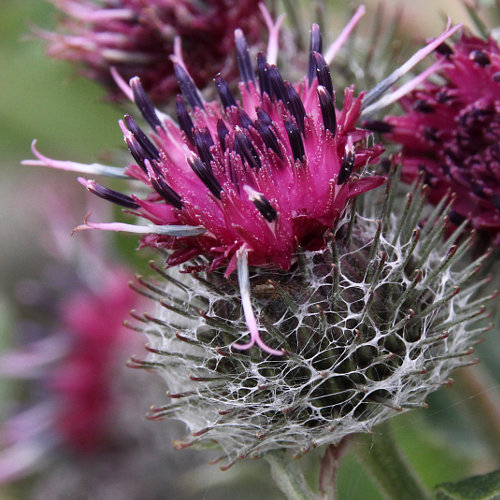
x=323 y=72
x=222 y=132
x=205 y=173
x=184 y=118
x=243 y=57
x=109 y=194
x=316 y=45
x=142 y=138
x=188 y=88
x=327 y=106
x=225 y=94
x=144 y=104
x=295 y=140
x=243 y=146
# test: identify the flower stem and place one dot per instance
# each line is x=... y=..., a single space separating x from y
x=388 y=467
x=288 y=477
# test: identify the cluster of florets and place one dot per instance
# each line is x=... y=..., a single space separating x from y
x=450 y=130
x=137 y=38
x=368 y=326
x=266 y=174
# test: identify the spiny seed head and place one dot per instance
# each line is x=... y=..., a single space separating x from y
x=137 y=38
x=450 y=130
x=370 y=324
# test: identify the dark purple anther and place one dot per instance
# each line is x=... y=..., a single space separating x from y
x=268 y=136
x=316 y=45
x=323 y=72
x=264 y=207
x=144 y=104
x=138 y=153
x=203 y=142
x=142 y=138
x=456 y=218
x=243 y=57
x=346 y=166
x=431 y=134
x=295 y=140
x=262 y=71
x=295 y=106
x=188 y=88
x=184 y=118
x=164 y=190
x=480 y=57
x=478 y=190
x=444 y=49
x=244 y=147
x=244 y=120
x=495 y=199
x=224 y=92
x=378 y=126
x=423 y=106
x=276 y=83
x=264 y=117
x=327 y=106
x=205 y=173
x=111 y=195
x=222 y=132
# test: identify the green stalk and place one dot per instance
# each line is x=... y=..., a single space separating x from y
x=288 y=477
x=388 y=467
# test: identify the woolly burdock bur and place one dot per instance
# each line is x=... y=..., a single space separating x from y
x=370 y=325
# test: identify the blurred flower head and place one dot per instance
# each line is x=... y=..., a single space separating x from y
x=67 y=361
x=450 y=131
x=137 y=37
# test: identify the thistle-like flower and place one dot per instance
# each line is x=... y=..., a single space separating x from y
x=247 y=182
x=350 y=314
x=450 y=130
x=137 y=37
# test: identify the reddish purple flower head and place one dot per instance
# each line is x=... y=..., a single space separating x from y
x=249 y=181
x=266 y=174
x=451 y=132
x=136 y=37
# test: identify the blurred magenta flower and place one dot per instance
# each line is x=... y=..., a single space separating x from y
x=137 y=37
x=450 y=131
x=71 y=368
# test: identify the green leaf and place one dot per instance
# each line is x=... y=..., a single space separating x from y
x=485 y=487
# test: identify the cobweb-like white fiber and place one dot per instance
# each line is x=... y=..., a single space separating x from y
x=371 y=324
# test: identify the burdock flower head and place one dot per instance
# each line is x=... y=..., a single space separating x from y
x=245 y=182
x=137 y=37
x=353 y=316
x=450 y=130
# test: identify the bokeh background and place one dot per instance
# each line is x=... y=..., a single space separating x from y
x=70 y=117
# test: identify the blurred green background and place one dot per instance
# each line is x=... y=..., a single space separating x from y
x=44 y=99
